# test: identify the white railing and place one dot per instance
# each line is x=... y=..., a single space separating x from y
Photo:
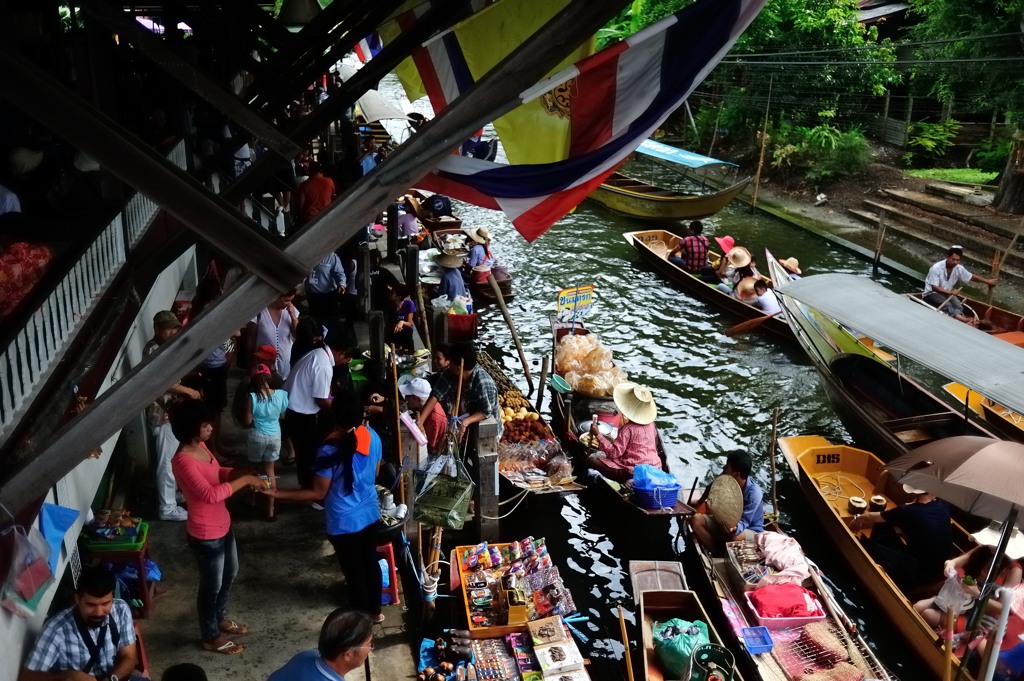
x=269 y=221
x=27 y=361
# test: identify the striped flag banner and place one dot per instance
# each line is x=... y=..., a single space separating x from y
x=614 y=100
x=367 y=48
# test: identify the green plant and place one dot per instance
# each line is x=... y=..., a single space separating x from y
x=991 y=154
x=963 y=175
x=932 y=139
x=820 y=154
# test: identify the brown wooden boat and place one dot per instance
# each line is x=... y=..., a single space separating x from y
x=653 y=246
x=629 y=196
x=661 y=593
x=829 y=474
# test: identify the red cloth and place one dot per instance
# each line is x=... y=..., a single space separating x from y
x=435 y=428
x=634 y=445
x=784 y=600
x=313 y=195
x=206 y=487
x=22 y=265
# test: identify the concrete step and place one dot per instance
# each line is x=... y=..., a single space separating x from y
x=972 y=196
x=1000 y=225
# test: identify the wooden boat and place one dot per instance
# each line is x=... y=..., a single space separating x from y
x=638 y=199
x=626 y=195
x=789 y=658
x=1001 y=420
x=828 y=475
x=878 y=403
x=430 y=221
x=653 y=246
x=991 y=319
x=661 y=593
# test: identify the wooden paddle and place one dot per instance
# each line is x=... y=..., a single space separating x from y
x=749 y=325
x=625 y=643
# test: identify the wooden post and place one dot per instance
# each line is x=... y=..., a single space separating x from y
x=392 y=232
x=511 y=327
x=544 y=366
x=412 y=267
x=377 y=363
x=364 y=279
x=764 y=144
x=907 y=119
x=487 y=507
x=714 y=133
x=947 y=671
x=885 y=112
x=879 y=242
x=997 y=262
x=771 y=460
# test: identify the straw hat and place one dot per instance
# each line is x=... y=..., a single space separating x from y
x=745 y=289
x=479 y=235
x=635 y=402
x=725 y=501
x=449 y=260
x=791 y=264
x=413 y=203
x=738 y=257
x=726 y=243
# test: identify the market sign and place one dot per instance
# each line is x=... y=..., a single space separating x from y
x=575 y=302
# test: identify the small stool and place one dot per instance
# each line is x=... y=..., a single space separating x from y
x=388 y=553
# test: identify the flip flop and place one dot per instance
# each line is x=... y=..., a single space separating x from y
x=379 y=619
x=232 y=627
x=228 y=648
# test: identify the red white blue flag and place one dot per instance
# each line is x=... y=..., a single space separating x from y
x=614 y=99
x=367 y=48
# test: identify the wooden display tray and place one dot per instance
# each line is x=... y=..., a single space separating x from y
x=479 y=632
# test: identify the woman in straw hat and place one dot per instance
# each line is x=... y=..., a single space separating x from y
x=733 y=514
x=452 y=284
x=792 y=266
x=735 y=266
x=637 y=441
x=480 y=254
x=745 y=290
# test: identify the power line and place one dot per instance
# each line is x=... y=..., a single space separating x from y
x=908 y=62
x=882 y=46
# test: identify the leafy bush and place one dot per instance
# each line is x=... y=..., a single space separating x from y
x=820 y=154
x=931 y=139
x=991 y=155
x=964 y=175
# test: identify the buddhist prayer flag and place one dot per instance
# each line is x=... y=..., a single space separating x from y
x=611 y=102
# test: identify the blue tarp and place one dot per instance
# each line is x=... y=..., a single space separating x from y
x=676 y=155
x=57 y=520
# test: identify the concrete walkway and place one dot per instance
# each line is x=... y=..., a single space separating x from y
x=288 y=581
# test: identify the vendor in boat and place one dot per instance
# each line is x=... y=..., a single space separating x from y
x=766 y=301
x=941 y=286
x=691 y=254
x=407 y=222
x=637 y=441
x=911 y=541
x=480 y=253
x=479 y=394
x=452 y=284
x=792 y=267
x=974 y=564
x=708 y=531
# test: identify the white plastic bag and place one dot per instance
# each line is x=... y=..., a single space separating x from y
x=952 y=597
x=440 y=303
x=28 y=574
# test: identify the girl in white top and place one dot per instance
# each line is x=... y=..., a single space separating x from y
x=276 y=326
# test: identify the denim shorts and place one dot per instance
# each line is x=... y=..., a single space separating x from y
x=263 y=448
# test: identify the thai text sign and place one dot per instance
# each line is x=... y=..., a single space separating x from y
x=575 y=301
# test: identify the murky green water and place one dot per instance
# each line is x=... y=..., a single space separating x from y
x=714 y=393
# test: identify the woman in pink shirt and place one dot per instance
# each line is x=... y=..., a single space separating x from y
x=637 y=441
x=206 y=485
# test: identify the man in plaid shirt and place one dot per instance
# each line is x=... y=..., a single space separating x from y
x=479 y=393
x=691 y=252
x=93 y=639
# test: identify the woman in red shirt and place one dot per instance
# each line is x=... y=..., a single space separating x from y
x=637 y=441
x=206 y=485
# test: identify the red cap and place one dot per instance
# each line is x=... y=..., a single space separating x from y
x=261 y=369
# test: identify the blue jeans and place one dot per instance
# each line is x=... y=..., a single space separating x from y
x=218 y=566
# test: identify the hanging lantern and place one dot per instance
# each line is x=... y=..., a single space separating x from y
x=296 y=14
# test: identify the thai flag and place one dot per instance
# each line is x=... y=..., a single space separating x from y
x=440 y=63
x=367 y=48
x=619 y=97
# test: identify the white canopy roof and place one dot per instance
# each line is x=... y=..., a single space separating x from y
x=951 y=348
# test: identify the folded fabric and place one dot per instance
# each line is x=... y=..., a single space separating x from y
x=785 y=556
x=785 y=600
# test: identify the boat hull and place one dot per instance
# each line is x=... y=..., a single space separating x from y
x=647 y=202
x=697 y=288
x=810 y=456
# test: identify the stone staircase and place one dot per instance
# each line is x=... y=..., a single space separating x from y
x=947 y=214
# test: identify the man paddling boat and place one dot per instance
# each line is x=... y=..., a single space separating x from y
x=943 y=282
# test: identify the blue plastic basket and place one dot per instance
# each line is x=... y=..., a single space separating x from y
x=657 y=497
x=757 y=639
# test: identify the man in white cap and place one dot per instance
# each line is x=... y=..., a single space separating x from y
x=911 y=541
x=435 y=425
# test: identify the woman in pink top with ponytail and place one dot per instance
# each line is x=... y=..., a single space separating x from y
x=206 y=486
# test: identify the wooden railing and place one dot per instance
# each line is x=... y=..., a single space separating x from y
x=36 y=348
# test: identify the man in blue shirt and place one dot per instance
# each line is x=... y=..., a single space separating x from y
x=452 y=284
x=346 y=640
x=709 y=532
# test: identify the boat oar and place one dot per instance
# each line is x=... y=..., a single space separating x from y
x=947 y=668
x=625 y=643
x=749 y=325
x=511 y=327
x=951 y=296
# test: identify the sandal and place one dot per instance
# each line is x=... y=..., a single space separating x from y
x=226 y=648
x=379 y=619
x=232 y=627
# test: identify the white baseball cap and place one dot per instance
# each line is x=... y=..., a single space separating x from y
x=417 y=386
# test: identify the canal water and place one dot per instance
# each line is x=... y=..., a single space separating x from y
x=714 y=393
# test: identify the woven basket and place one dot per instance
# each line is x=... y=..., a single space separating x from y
x=657 y=497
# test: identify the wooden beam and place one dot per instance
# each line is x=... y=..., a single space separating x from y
x=495 y=94
x=118 y=151
x=191 y=76
x=274 y=31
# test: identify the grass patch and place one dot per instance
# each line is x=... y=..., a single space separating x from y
x=964 y=175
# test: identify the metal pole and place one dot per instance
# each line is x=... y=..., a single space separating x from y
x=879 y=241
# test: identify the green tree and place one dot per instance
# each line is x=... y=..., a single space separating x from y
x=961 y=43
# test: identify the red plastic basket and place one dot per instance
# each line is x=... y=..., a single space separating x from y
x=462 y=327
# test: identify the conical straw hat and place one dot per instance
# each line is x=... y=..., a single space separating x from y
x=739 y=257
x=745 y=289
x=449 y=260
x=636 y=403
x=725 y=501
